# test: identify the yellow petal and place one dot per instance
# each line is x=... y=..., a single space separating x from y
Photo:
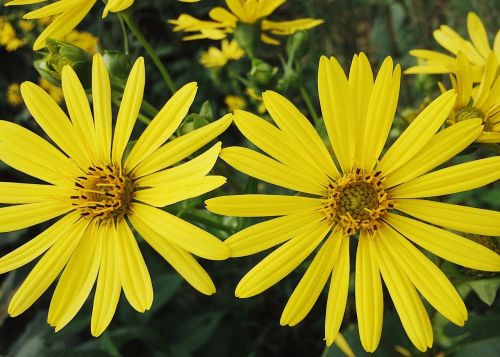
x=101 y=98
x=264 y=168
x=13 y=192
x=181 y=260
x=369 y=296
x=180 y=148
x=163 y=125
x=440 y=148
x=107 y=292
x=77 y=279
x=281 y=262
x=427 y=278
x=445 y=244
x=49 y=10
x=460 y=218
x=182 y=233
x=418 y=134
x=267 y=234
x=129 y=109
x=312 y=283
x=261 y=205
x=477 y=34
x=16 y=217
x=464 y=81
x=134 y=274
x=116 y=6
x=46 y=270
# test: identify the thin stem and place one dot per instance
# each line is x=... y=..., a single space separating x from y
x=125 y=37
x=309 y=104
x=127 y=17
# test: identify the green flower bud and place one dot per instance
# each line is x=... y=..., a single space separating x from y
x=119 y=67
x=262 y=73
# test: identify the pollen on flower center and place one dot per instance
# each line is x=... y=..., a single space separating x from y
x=103 y=192
x=357 y=201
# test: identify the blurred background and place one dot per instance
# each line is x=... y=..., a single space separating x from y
x=183 y=322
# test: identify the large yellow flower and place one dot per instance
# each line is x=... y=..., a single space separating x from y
x=100 y=191
x=367 y=195
x=482 y=101
x=476 y=51
x=244 y=11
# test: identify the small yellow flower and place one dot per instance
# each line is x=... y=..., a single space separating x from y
x=476 y=51
x=14 y=95
x=84 y=40
x=54 y=91
x=26 y=25
x=215 y=58
x=8 y=38
x=481 y=102
x=234 y=102
x=224 y=21
x=101 y=192
x=372 y=198
x=252 y=94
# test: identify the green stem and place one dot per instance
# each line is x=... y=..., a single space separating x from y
x=125 y=37
x=127 y=17
x=309 y=104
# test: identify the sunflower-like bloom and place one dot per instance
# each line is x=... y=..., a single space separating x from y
x=244 y=11
x=476 y=52
x=369 y=196
x=216 y=58
x=482 y=101
x=101 y=192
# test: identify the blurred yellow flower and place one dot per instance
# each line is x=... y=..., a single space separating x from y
x=481 y=102
x=476 y=51
x=244 y=11
x=215 y=58
x=14 y=95
x=252 y=94
x=8 y=38
x=26 y=25
x=54 y=91
x=85 y=40
x=234 y=102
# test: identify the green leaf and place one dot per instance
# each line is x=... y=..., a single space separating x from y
x=486 y=289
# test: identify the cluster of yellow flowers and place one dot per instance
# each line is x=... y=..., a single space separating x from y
x=356 y=193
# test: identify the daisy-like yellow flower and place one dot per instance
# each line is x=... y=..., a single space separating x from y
x=224 y=21
x=14 y=95
x=476 y=52
x=215 y=58
x=101 y=192
x=368 y=196
x=481 y=102
x=8 y=37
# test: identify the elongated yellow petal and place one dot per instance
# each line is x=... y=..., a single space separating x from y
x=261 y=205
x=182 y=233
x=264 y=168
x=51 y=9
x=281 y=262
x=116 y=6
x=440 y=148
x=292 y=121
x=46 y=270
x=267 y=234
x=337 y=107
x=312 y=283
x=176 y=191
x=427 y=278
x=195 y=168
x=418 y=134
x=13 y=192
x=477 y=34
x=180 y=148
x=337 y=294
x=460 y=218
x=452 y=179
x=181 y=260
x=18 y=147
x=77 y=279
x=16 y=217
x=129 y=109
x=101 y=98
x=410 y=309
x=36 y=246
x=107 y=292
x=445 y=244
x=163 y=125
x=369 y=296
x=276 y=144
x=54 y=122
x=134 y=274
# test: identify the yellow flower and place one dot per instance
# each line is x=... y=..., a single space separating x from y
x=252 y=94
x=14 y=95
x=476 y=51
x=54 y=91
x=84 y=40
x=481 y=102
x=244 y=11
x=234 y=102
x=361 y=196
x=26 y=25
x=8 y=37
x=101 y=192
x=215 y=58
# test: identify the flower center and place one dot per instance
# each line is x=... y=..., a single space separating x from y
x=103 y=192
x=357 y=201
x=468 y=113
